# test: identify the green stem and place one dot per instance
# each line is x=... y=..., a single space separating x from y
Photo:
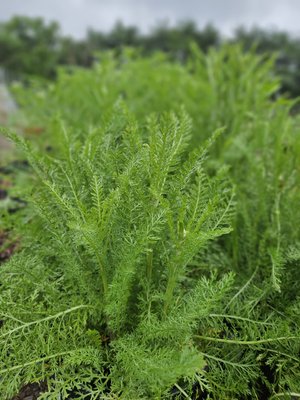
x=170 y=290
x=182 y=391
x=290 y=394
x=38 y=360
x=242 y=288
x=60 y=314
x=239 y=318
x=102 y=271
x=245 y=342
x=103 y=277
x=149 y=266
x=232 y=363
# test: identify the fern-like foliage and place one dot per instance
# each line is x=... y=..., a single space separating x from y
x=124 y=288
x=105 y=286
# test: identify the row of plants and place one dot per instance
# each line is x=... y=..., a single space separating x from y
x=30 y=46
x=159 y=250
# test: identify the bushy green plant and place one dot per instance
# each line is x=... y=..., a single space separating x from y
x=114 y=246
x=157 y=312
x=225 y=88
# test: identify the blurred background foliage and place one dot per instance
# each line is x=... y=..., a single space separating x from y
x=32 y=47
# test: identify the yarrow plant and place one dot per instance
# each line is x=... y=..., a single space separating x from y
x=145 y=270
x=122 y=219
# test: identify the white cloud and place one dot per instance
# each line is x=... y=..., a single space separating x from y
x=75 y=16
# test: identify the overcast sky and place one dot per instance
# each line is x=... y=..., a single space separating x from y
x=75 y=16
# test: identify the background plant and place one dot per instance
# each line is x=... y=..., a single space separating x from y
x=32 y=47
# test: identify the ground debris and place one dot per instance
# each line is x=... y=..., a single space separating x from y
x=31 y=391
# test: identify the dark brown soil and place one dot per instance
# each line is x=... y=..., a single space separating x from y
x=31 y=391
